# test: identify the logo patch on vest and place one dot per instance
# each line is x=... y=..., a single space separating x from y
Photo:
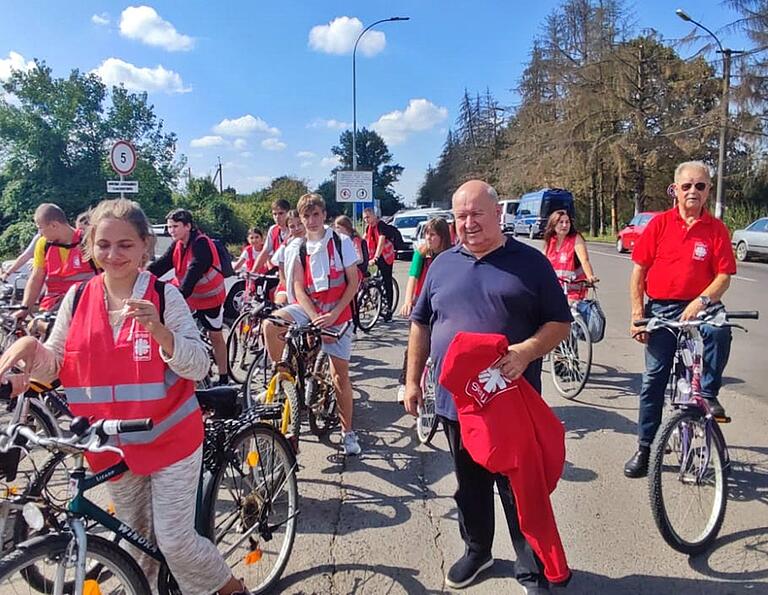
x=142 y=347
x=700 y=251
x=489 y=384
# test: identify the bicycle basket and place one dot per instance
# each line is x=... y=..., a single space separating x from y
x=592 y=314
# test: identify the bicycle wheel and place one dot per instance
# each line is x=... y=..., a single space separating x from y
x=687 y=481
x=287 y=394
x=253 y=506
x=323 y=412
x=571 y=360
x=395 y=296
x=52 y=558
x=369 y=306
x=256 y=379
x=244 y=345
x=426 y=420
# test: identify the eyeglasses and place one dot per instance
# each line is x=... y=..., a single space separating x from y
x=700 y=186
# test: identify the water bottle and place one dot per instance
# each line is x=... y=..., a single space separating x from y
x=683 y=390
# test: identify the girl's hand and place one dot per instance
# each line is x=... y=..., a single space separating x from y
x=144 y=312
x=405 y=310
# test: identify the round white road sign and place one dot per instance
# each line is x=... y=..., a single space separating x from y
x=123 y=157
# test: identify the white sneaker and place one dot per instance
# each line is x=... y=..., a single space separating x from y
x=401 y=393
x=349 y=443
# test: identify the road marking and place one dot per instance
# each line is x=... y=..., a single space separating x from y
x=745 y=279
x=612 y=255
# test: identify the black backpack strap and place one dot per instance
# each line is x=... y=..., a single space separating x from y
x=160 y=289
x=78 y=294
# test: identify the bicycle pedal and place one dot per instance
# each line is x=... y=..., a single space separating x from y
x=722 y=420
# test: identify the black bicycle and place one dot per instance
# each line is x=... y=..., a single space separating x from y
x=689 y=463
x=248 y=504
x=371 y=302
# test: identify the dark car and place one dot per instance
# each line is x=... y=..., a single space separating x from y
x=535 y=208
x=632 y=231
x=751 y=241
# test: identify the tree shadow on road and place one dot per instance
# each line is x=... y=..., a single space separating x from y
x=589 y=583
x=748 y=481
x=402 y=580
x=583 y=420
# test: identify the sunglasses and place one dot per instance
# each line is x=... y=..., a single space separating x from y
x=700 y=186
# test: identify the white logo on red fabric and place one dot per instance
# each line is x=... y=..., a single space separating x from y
x=142 y=348
x=563 y=257
x=490 y=383
x=77 y=261
x=700 y=251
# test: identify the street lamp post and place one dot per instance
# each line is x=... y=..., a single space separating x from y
x=354 y=85
x=727 y=53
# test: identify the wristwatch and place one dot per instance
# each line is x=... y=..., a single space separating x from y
x=705 y=300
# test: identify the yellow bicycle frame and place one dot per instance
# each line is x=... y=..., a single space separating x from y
x=269 y=397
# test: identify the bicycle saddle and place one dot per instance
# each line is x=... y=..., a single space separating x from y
x=222 y=401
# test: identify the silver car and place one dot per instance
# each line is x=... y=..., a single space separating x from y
x=752 y=241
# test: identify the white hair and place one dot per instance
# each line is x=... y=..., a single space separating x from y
x=700 y=165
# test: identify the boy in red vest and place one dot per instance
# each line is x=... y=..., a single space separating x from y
x=276 y=235
x=197 y=266
x=58 y=262
x=324 y=285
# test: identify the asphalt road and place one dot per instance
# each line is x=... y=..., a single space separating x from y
x=385 y=522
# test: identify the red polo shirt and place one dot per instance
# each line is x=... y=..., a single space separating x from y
x=680 y=261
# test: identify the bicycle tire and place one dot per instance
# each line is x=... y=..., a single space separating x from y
x=322 y=402
x=274 y=490
x=687 y=423
x=571 y=360
x=395 y=296
x=244 y=344
x=42 y=551
x=426 y=420
x=289 y=396
x=369 y=307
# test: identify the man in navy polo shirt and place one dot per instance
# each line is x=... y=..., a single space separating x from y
x=488 y=284
x=683 y=262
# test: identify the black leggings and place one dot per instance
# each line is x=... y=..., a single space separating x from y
x=386 y=276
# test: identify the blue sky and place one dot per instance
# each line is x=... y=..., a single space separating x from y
x=267 y=85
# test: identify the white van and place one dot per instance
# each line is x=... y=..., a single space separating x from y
x=408 y=222
x=508 y=211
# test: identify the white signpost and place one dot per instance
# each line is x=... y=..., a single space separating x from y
x=122 y=157
x=354 y=186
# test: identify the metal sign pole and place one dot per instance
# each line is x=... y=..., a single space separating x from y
x=121 y=187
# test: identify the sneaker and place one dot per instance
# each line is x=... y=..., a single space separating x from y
x=401 y=393
x=715 y=407
x=465 y=570
x=350 y=444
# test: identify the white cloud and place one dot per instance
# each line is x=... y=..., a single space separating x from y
x=332 y=124
x=240 y=144
x=14 y=61
x=306 y=155
x=246 y=154
x=244 y=126
x=114 y=71
x=100 y=19
x=338 y=37
x=332 y=161
x=143 y=24
x=305 y=164
x=207 y=141
x=420 y=114
x=272 y=144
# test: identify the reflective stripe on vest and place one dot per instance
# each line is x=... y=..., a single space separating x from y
x=159 y=428
x=209 y=291
x=150 y=391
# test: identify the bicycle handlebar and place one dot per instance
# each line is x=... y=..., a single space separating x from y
x=309 y=328
x=583 y=282
x=719 y=317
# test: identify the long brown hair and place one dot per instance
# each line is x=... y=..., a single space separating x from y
x=438 y=226
x=549 y=230
x=346 y=223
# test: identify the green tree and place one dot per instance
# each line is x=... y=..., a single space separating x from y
x=285 y=187
x=372 y=155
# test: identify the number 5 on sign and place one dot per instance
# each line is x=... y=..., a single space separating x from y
x=122 y=157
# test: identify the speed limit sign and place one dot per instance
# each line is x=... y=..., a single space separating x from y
x=123 y=157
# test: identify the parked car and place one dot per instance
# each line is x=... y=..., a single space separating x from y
x=632 y=231
x=536 y=207
x=408 y=222
x=418 y=237
x=751 y=241
x=508 y=212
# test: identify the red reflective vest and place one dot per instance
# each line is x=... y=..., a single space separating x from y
x=61 y=275
x=126 y=378
x=326 y=300
x=422 y=278
x=563 y=260
x=372 y=237
x=209 y=292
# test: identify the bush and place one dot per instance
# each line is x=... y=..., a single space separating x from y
x=15 y=238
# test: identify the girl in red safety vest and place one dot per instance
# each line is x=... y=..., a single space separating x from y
x=437 y=238
x=118 y=358
x=251 y=251
x=567 y=252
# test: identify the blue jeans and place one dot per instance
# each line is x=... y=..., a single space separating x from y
x=659 y=353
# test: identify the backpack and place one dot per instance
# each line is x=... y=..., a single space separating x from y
x=225 y=258
x=393 y=235
x=336 y=244
x=159 y=288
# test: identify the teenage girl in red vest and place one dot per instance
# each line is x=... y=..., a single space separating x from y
x=567 y=251
x=437 y=238
x=251 y=251
x=118 y=360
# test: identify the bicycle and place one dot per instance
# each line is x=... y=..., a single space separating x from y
x=689 y=462
x=426 y=418
x=245 y=342
x=300 y=371
x=571 y=360
x=248 y=497
x=371 y=302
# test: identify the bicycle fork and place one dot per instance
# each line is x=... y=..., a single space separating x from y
x=76 y=551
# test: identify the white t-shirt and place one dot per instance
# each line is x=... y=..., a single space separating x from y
x=286 y=255
x=348 y=253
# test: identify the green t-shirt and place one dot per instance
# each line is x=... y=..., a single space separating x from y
x=417 y=263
